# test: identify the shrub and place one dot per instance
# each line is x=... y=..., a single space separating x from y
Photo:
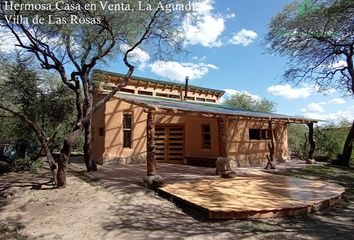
x=36 y=166
x=298 y=144
x=329 y=140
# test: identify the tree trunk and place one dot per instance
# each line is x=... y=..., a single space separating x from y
x=344 y=160
x=90 y=165
x=64 y=156
x=271 y=147
x=222 y=138
x=40 y=135
x=311 y=141
x=150 y=144
x=310 y=159
x=51 y=162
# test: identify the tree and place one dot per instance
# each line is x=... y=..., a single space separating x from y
x=246 y=102
x=39 y=101
x=319 y=41
x=298 y=140
x=101 y=35
x=330 y=140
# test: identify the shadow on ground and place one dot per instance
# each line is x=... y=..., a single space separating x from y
x=149 y=217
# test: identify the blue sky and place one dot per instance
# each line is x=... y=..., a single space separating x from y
x=226 y=52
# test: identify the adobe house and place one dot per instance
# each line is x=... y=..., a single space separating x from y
x=162 y=121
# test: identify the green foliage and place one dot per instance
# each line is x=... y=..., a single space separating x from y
x=7 y=127
x=36 y=166
x=38 y=95
x=314 y=41
x=87 y=39
x=77 y=147
x=297 y=140
x=330 y=141
x=247 y=102
x=21 y=164
x=329 y=138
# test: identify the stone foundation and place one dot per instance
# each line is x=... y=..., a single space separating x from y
x=237 y=163
x=234 y=161
x=138 y=159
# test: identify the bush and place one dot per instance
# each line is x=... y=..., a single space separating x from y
x=298 y=144
x=36 y=166
x=329 y=141
x=22 y=164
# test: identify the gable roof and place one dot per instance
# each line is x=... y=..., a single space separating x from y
x=208 y=108
x=98 y=71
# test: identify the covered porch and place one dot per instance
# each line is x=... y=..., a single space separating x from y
x=238 y=135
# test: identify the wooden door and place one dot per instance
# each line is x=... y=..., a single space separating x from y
x=169 y=141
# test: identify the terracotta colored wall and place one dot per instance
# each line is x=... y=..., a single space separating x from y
x=193 y=134
x=114 y=132
x=244 y=151
x=110 y=146
x=248 y=152
x=98 y=142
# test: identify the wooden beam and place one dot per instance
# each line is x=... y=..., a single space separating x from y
x=217 y=115
x=150 y=144
x=271 y=147
x=311 y=141
x=143 y=105
x=222 y=137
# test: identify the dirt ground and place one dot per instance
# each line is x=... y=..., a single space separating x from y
x=31 y=209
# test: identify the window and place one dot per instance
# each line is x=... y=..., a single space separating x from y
x=101 y=132
x=147 y=93
x=127 y=130
x=211 y=100
x=161 y=95
x=200 y=99
x=190 y=98
x=259 y=134
x=127 y=90
x=174 y=96
x=206 y=137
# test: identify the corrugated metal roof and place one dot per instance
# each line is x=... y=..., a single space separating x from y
x=98 y=71
x=212 y=108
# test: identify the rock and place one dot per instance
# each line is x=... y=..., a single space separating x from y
x=310 y=161
x=222 y=165
x=228 y=174
x=270 y=166
x=153 y=182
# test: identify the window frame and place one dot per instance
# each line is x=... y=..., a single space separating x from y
x=101 y=131
x=262 y=133
x=203 y=132
x=126 y=130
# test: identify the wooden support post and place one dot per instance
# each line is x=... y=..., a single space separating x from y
x=223 y=167
x=150 y=144
x=222 y=138
x=271 y=147
x=152 y=180
x=312 y=142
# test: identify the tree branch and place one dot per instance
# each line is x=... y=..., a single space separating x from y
x=124 y=81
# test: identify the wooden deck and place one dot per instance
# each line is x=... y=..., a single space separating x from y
x=255 y=196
